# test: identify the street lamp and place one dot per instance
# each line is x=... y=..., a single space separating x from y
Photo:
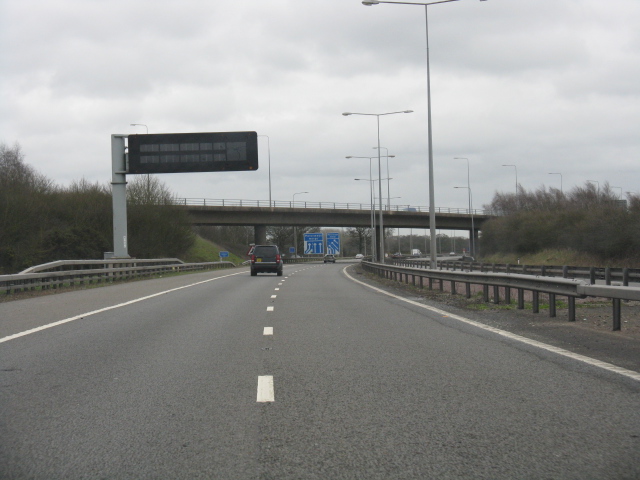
x=372 y=206
x=140 y=125
x=378 y=115
x=432 y=210
x=552 y=173
x=373 y=218
x=388 y=187
x=269 y=157
x=295 y=236
x=473 y=230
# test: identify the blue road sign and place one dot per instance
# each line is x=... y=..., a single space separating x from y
x=333 y=243
x=224 y=254
x=313 y=243
x=292 y=249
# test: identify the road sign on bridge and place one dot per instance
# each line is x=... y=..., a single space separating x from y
x=313 y=243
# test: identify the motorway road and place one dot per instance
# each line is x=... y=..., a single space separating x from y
x=344 y=382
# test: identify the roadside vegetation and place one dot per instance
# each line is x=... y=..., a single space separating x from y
x=42 y=222
x=588 y=226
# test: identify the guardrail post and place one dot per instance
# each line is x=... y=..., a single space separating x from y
x=592 y=275
x=616 y=314
x=572 y=309
x=507 y=295
x=521 y=299
x=535 y=302
x=552 y=305
x=441 y=285
x=453 y=288
x=625 y=277
x=485 y=293
x=496 y=294
x=430 y=283
x=565 y=271
x=607 y=275
x=468 y=289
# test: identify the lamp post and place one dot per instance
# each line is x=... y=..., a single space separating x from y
x=269 y=157
x=473 y=229
x=516 y=169
x=373 y=218
x=378 y=115
x=140 y=125
x=295 y=236
x=372 y=205
x=388 y=187
x=555 y=173
x=432 y=210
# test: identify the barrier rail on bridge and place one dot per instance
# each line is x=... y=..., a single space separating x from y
x=212 y=202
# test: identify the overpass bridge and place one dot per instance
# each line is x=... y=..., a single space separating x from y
x=262 y=213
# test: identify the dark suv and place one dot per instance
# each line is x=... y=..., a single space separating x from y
x=266 y=258
x=329 y=258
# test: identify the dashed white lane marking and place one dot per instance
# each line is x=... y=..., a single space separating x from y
x=265 y=389
x=277 y=289
x=274 y=296
x=112 y=307
x=560 y=351
x=270 y=309
x=267 y=331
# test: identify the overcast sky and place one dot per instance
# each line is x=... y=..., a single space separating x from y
x=551 y=86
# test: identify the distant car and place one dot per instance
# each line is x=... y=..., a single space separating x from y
x=266 y=258
x=359 y=256
x=452 y=254
x=396 y=255
x=329 y=259
x=467 y=258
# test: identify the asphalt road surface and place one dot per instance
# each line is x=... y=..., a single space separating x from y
x=312 y=375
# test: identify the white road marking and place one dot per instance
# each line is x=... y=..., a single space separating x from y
x=270 y=309
x=277 y=289
x=112 y=307
x=560 y=351
x=265 y=389
x=274 y=296
x=268 y=331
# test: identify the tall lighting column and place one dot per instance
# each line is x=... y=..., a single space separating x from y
x=378 y=115
x=371 y=205
x=473 y=230
x=432 y=211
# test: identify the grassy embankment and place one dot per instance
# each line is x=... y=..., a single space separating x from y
x=206 y=251
x=561 y=257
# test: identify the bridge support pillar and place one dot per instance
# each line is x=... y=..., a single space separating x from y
x=260 y=234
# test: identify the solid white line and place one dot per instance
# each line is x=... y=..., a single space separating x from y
x=270 y=309
x=112 y=307
x=560 y=351
x=268 y=331
x=265 y=389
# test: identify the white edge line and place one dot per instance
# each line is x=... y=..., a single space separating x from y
x=112 y=307
x=560 y=351
x=265 y=389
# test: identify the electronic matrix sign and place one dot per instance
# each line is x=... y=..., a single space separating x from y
x=193 y=152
